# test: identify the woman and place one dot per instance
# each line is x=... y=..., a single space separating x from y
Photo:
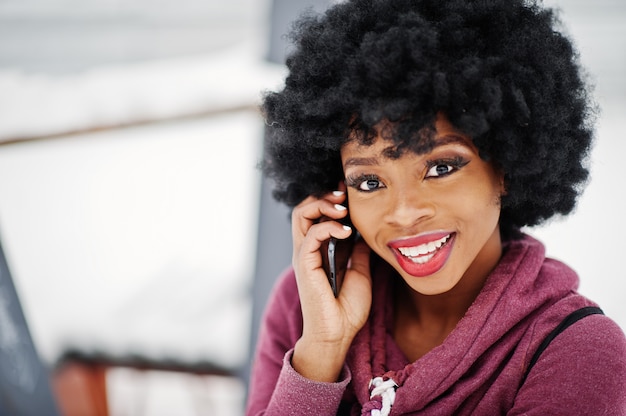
x=448 y=126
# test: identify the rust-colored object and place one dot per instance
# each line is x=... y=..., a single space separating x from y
x=80 y=389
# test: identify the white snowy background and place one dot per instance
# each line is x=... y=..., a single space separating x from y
x=129 y=190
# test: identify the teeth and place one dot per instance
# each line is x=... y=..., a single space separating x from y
x=422 y=259
x=422 y=249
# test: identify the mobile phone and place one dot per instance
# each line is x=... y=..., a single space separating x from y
x=335 y=256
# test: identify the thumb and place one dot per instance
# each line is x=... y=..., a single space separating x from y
x=358 y=272
x=360 y=258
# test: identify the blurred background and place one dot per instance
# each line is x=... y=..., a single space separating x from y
x=138 y=231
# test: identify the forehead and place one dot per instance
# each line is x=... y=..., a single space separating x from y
x=444 y=134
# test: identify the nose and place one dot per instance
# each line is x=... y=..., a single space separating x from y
x=409 y=207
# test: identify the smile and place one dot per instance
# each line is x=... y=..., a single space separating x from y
x=425 y=254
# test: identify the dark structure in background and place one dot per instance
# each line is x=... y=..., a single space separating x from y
x=274 y=233
x=25 y=388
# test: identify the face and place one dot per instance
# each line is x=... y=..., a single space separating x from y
x=433 y=217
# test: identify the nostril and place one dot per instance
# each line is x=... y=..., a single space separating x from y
x=406 y=213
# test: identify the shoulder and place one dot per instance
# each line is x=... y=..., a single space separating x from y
x=282 y=313
x=284 y=296
x=582 y=370
x=595 y=343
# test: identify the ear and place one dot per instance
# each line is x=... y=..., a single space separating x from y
x=501 y=177
x=503 y=190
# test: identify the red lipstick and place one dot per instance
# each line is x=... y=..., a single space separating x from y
x=425 y=254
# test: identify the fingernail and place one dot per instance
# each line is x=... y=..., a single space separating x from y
x=338 y=193
x=346 y=227
x=340 y=207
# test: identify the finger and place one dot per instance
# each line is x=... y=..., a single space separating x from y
x=319 y=233
x=308 y=255
x=311 y=210
x=356 y=293
x=307 y=259
x=360 y=259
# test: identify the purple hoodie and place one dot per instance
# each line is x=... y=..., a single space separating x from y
x=477 y=370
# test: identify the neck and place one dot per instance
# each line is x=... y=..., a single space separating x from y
x=439 y=313
x=422 y=322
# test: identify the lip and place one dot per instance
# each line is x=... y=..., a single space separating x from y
x=432 y=265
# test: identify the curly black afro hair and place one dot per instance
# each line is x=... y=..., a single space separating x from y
x=498 y=69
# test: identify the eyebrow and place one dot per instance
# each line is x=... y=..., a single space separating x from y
x=361 y=161
x=373 y=161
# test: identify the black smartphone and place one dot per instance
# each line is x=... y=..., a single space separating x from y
x=335 y=256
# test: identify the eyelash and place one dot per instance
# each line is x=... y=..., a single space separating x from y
x=454 y=163
x=356 y=181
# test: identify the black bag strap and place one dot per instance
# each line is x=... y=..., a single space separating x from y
x=569 y=320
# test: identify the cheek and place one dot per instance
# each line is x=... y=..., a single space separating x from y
x=359 y=217
x=364 y=217
x=472 y=203
x=488 y=210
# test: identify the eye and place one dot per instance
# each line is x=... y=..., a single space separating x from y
x=439 y=168
x=365 y=183
x=369 y=185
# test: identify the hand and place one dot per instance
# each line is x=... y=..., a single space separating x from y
x=330 y=323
